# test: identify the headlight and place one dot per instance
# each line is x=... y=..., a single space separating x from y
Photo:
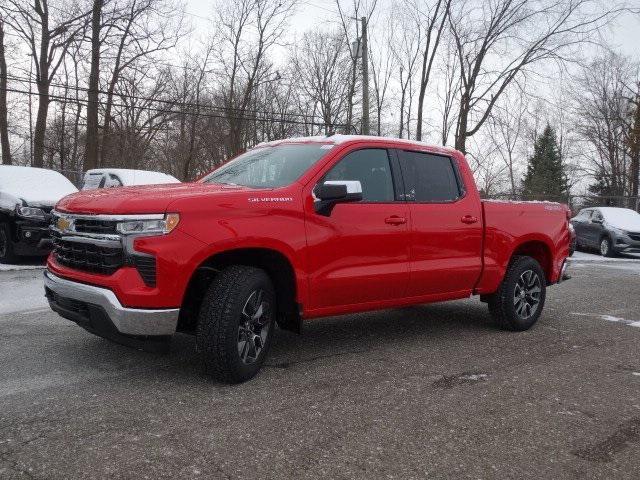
x=162 y=226
x=30 y=212
x=619 y=231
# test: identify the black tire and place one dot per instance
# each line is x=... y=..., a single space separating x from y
x=502 y=304
x=226 y=319
x=606 y=247
x=6 y=245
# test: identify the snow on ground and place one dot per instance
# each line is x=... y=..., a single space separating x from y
x=25 y=266
x=21 y=291
x=592 y=257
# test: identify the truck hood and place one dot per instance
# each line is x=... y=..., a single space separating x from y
x=141 y=199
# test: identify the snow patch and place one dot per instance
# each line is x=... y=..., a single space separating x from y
x=36 y=186
x=623 y=218
x=609 y=318
x=130 y=177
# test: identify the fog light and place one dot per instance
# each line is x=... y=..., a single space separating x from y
x=27 y=234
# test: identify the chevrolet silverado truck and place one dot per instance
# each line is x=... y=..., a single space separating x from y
x=294 y=230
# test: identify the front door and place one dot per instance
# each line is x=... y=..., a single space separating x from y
x=446 y=226
x=358 y=252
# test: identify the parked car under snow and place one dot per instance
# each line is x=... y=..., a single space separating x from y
x=122 y=177
x=608 y=229
x=27 y=196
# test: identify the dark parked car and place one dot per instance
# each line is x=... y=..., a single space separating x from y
x=27 y=196
x=610 y=230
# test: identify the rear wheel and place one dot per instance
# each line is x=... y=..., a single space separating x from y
x=519 y=301
x=6 y=245
x=236 y=323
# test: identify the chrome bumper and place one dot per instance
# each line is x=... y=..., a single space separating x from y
x=127 y=321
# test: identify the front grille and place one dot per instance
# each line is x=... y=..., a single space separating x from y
x=88 y=257
x=84 y=225
x=635 y=236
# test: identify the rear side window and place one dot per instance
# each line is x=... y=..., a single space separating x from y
x=371 y=168
x=429 y=178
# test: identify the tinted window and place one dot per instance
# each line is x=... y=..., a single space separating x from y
x=429 y=178
x=268 y=167
x=371 y=167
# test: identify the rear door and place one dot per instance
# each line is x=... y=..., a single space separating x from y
x=446 y=226
x=358 y=253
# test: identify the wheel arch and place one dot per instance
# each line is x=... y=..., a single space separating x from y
x=539 y=250
x=276 y=264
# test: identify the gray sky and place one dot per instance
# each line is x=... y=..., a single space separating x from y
x=624 y=34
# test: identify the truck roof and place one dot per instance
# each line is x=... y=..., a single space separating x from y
x=339 y=139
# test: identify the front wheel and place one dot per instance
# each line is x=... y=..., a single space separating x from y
x=6 y=245
x=236 y=323
x=519 y=301
x=605 y=247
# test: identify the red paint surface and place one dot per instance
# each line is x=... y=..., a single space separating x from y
x=353 y=260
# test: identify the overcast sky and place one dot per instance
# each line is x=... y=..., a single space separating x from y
x=624 y=34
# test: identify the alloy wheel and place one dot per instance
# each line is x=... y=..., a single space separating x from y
x=254 y=327
x=526 y=296
x=604 y=247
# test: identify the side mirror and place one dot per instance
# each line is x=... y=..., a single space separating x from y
x=336 y=191
x=596 y=220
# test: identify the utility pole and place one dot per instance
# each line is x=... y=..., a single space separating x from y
x=365 y=79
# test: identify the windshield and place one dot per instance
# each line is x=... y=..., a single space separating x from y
x=269 y=167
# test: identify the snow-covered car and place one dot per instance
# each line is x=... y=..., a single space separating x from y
x=611 y=230
x=27 y=196
x=122 y=177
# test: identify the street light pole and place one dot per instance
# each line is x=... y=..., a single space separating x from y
x=365 y=79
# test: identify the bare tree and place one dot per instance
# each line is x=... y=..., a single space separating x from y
x=406 y=50
x=600 y=112
x=48 y=37
x=4 y=128
x=321 y=67
x=248 y=29
x=506 y=129
x=432 y=18
x=91 y=151
x=499 y=40
x=135 y=31
x=382 y=68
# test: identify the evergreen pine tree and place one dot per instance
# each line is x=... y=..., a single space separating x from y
x=545 y=178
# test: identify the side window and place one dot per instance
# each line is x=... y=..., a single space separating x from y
x=372 y=168
x=429 y=178
x=114 y=181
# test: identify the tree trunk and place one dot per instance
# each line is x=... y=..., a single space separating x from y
x=41 y=123
x=91 y=153
x=4 y=128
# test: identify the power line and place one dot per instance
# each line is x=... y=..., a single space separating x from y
x=307 y=118
x=263 y=119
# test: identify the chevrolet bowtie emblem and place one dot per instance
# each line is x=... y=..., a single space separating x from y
x=63 y=224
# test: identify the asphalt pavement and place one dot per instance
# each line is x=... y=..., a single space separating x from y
x=423 y=392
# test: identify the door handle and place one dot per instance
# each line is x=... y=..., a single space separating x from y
x=469 y=219
x=395 y=220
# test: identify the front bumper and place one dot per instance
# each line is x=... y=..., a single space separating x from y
x=98 y=310
x=32 y=238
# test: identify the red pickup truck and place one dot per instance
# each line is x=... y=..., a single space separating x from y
x=297 y=229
